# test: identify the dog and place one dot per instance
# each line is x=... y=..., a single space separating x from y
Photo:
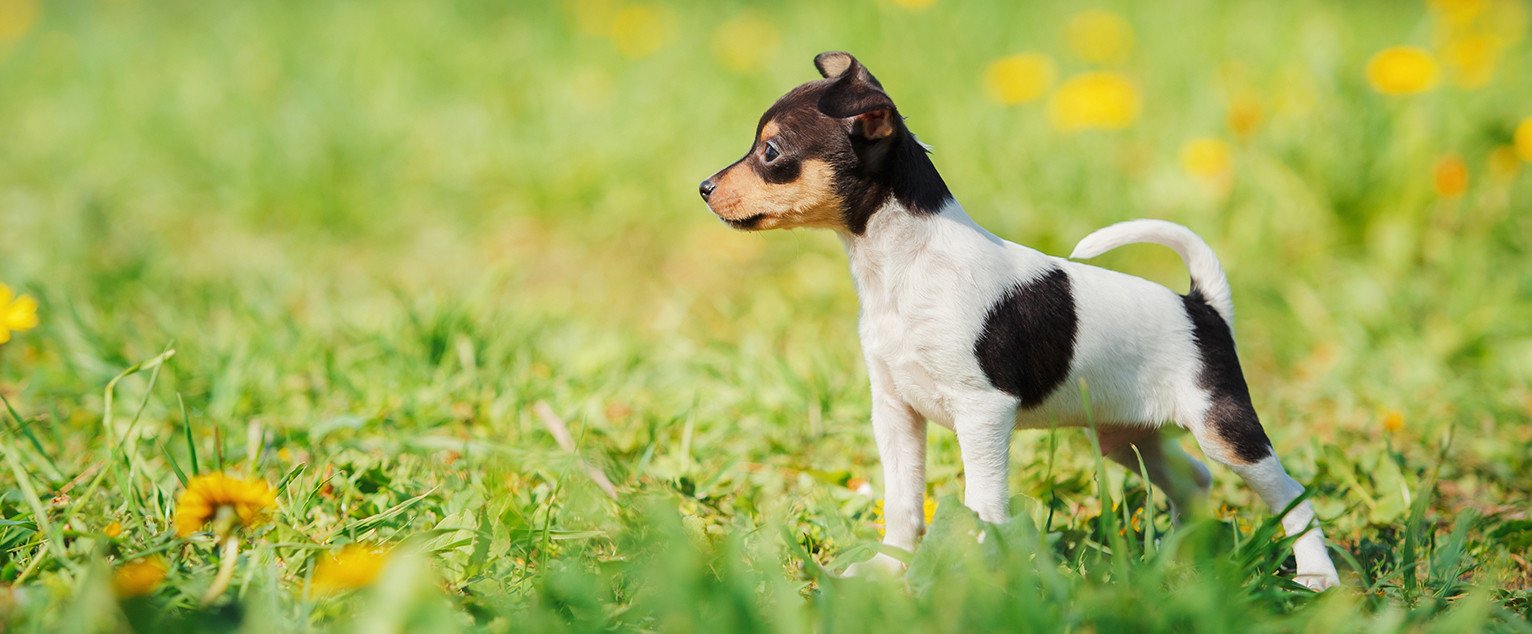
x=983 y=336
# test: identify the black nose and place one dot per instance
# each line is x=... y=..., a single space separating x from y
x=707 y=188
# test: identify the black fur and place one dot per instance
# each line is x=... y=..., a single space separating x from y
x=1230 y=414
x=1029 y=338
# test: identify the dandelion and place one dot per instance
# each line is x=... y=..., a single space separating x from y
x=1393 y=421
x=640 y=30
x=1100 y=36
x=355 y=566
x=744 y=43
x=17 y=313
x=1471 y=59
x=1245 y=115
x=1503 y=163
x=113 y=530
x=138 y=578
x=1450 y=176
x=914 y=5
x=1018 y=79
x=16 y=18
x=930 y=509
x=1524 y=139
x=1207 y=159
x=1402 y=70
x=217 y=497
x=1094 y=100
x=229 y=504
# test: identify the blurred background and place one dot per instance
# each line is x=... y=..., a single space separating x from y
x=409 y=221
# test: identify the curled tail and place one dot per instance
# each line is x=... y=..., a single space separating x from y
x=1208 y=279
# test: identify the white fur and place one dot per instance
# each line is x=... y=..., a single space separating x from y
x=926 y=285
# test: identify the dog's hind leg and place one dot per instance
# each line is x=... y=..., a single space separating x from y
x=1182 y=478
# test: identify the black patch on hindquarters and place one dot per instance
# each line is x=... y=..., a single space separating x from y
x=1230 y=414
x=1028 y=341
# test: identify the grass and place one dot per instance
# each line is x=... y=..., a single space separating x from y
x=349 y=249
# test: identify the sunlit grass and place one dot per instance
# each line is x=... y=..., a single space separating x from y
x=389 y=246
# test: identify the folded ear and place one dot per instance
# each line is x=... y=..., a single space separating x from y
x=833 y=64
x=869 y=109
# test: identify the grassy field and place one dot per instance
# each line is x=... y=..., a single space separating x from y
x=363 y=258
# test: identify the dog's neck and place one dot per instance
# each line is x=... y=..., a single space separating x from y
x=898 y=241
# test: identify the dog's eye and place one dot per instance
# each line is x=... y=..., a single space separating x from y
x=771 y=152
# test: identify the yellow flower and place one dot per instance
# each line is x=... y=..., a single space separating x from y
x=930 y=509
x=1402 y=70
x=1393 y=421
x=16 y=18
x=209 y=495
x=1458 y=13
x=1205 y=158
x=1524 y=140
x=113 y=530
x=1450 y=176
x=1094 y=100
x=1100 y=36
x=138 y=578
x=1472 y=59
x=353 y=567
x=1244 y=115
x=1018 y=79
x=17 y=313
x=640 y=30
x=915 y=5
x=744 y=43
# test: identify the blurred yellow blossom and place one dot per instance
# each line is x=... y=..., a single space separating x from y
x=1206 y=158
x=1450 y=176
x=1524 y=139
x=16 y=18
x=744 y=43
x=17 y=313
x=1019 y=78
x=1245 y=115
x=1393 y=421
x=113 y=530
x=641 y=30
x=355 y=566
x=209 y=495
x=1402 y=70
x=1458 y=13
x=930 y=509
x=1503 y=163
x=1094 y=100
x=913 y=4
x=1100 y=36
x=1471 y=59
x=139 y=577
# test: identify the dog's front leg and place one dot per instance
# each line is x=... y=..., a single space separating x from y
x=901 y=437
x=984 y=437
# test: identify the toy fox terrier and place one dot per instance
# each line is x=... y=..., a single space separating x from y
x=983 y=336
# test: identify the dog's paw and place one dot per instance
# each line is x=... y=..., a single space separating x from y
x=1318 y=581
x=880 y=566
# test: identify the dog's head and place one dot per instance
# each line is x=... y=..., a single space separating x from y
x=821 y=156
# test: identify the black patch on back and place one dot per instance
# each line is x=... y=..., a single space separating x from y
x=1230 y=413
x=1029 y=338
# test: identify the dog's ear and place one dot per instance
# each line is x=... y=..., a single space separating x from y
x=855 y=95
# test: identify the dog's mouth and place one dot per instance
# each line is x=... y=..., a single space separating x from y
x=744 y=224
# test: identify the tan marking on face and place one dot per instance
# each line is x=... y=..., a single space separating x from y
x=769 y=130
x=809 y=201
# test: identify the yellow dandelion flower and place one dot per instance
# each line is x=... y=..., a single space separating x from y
x=1402 y=70
x=16 y=18
x=215 y=496
x=1206 y=158
x=641 y=30
x=1450 y=176
x=1094 y=100
x=113 y=530
x=1524 y=140
x=744 y=43
x=1100 y=36
x=1458 y=13
x=355 y=566
x=1393 y=421
x=1245 y=115
x=139 y=577
x=1018 y=79
x=17 y=313
x=914 y=5
x=1471 y=59
x=930 y=509
x=1503 y=163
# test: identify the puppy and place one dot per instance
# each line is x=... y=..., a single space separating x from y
x=983 y=336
